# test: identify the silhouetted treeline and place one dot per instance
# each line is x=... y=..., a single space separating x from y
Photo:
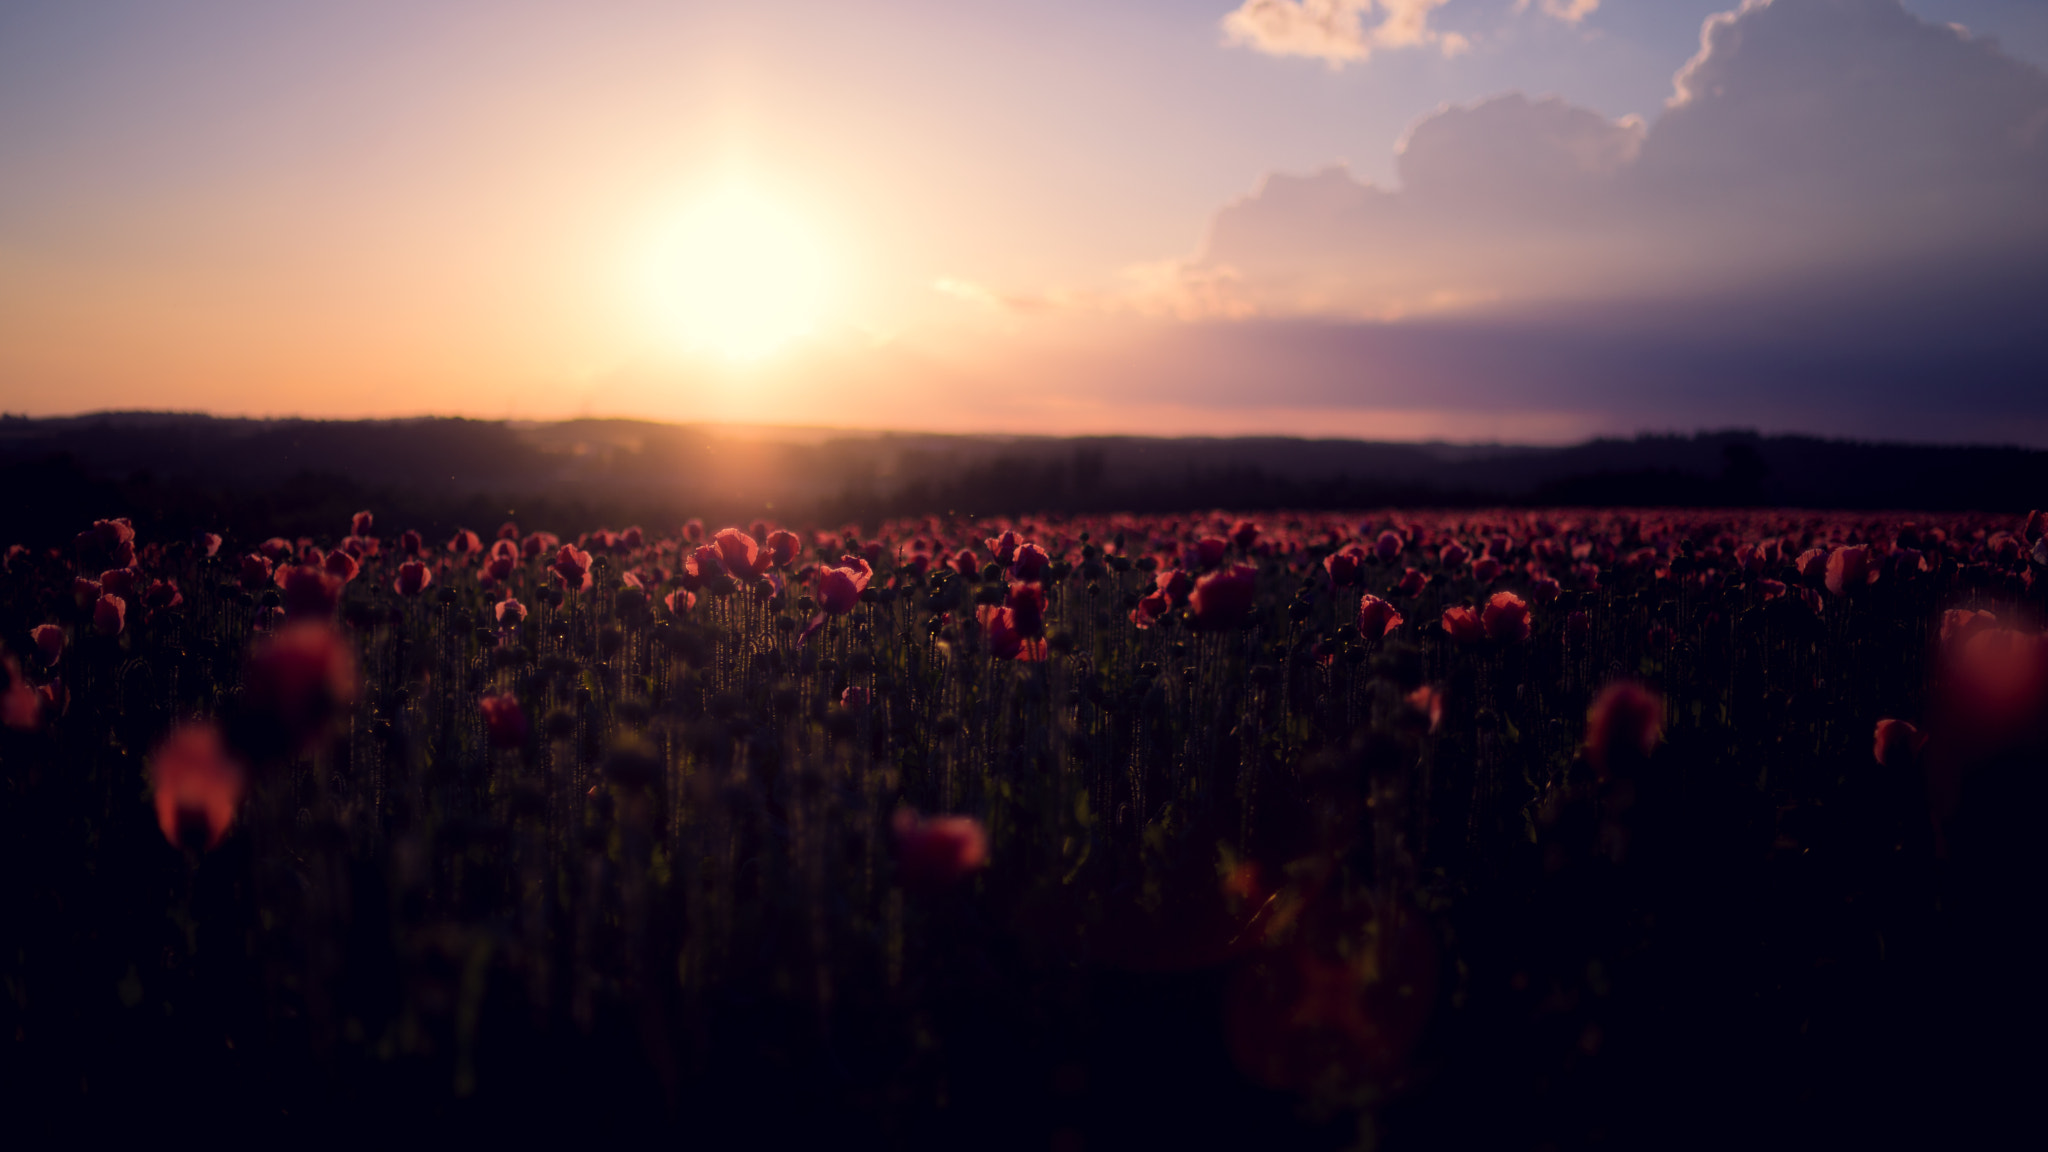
x=179 y=473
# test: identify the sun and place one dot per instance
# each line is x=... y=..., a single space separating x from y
x=739 y=276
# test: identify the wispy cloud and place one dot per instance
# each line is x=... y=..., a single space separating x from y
x=1569 y=11
x=1338 y=32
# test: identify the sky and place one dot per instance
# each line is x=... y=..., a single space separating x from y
x=1469 y=220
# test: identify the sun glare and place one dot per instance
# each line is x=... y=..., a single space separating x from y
x=740 y=277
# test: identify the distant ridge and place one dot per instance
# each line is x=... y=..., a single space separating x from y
x=292 y=475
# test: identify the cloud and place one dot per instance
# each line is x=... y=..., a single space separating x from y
x=1807 y=135
x=1569 y=11
x=1336 y=31
x=1839 y=223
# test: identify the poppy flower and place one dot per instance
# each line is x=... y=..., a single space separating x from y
x=465 y=543
x=693 y=530
x=839 y=590
x=854 y=698
x=413 y=578
x=1544 y=590
x=740 y=553
x=21 y=707
x=1207 y=552
x=783 y=546
x=1463 y=625
x=1622 y=728
x=1175 y=585
x=114 y=533
x=1388 y=546
x=1486 y=570
x=1343 y=567
x=1224 y=598
x=1577 y=623
x=255 y=571
x=1244 y=535
x=1849 y=569
x=307 y=591
x=497 y=569
x=1896 y=743
x=935 y=853
x=109 y=615
x=1376 y=617
x=1412 y=582
x=505 y=723
x=1429 y=701
x=208 y=543
x=965 y=563
x=680 y=602
x=1453 y=555
x=360 y=523
x=296 y=683
x=1003 y=548
x=1993 y=685
x=162 y=596
x=341 y=565
x=196 y=785
x=1150 y=609
x=539 y=544
x=1027 y=603
x=632 y=537
x=85 y=593
x=49 y=640
x=1812 y=565
x=1772 y=589
x=1006 y=640
x=510 y=612
x=1029 y=563
x=572 y=567
x=1506 y=617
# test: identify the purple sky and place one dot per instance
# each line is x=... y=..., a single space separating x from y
x=1462 y=219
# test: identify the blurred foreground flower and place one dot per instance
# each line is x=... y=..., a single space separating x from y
x=197 y=785
x=296 y=683
x=1623 y=728
x=935 y=853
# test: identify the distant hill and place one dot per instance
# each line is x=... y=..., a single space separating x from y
x=190 y=472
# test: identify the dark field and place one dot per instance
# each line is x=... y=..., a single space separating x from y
x=1512 y=828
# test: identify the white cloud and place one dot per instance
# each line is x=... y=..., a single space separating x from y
x=1569 y=11
x=1336 y=31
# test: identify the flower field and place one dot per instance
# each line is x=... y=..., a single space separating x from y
x=1562 y=828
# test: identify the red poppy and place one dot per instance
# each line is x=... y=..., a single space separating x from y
x=1897 y=744
x=109 y=615
x=1453 y=555
x=296 y=683
x=1376 y=617
x=1030 y=562
x=1006 y=640
x=1412 y=582
x=255 y=571
x=1150 y=610
x=308 y=592
x=1388 y=546
x=21 y=706
x=1208 y=552
x=341 y=565
x=49 y=639
x=465 y=543
x=360 y=523
x=497 y=569
x=510 y=612
x=1003 y=548
x=1622 y=728
x=632 y=537
x=1849 y=569
x=1486 y=570
x=572 y=567
x=197 y=785
x=740 y=553
x=783 y=546
x=413 y=578
x=1463 y=624
x=1430 y=702
x=1224 y=598
x=1772 y=589
x=1176 y=585
x=85 y=593
x=1506 y=617
x=680 y=602
x=965 y=562
x=505 y=723
x=1027 y=603
x=1344 y=567
x=936 y=853
x=208 y=543
x=693 y=530
x=1244 y=535
x=839 y=589
x=1544 y=590
x=1813 y=565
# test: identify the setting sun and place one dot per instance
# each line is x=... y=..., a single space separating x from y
x=739 y=277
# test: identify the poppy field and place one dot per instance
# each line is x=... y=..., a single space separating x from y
x=1559 y=828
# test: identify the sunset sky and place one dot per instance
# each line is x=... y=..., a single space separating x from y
x=1523 y=220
